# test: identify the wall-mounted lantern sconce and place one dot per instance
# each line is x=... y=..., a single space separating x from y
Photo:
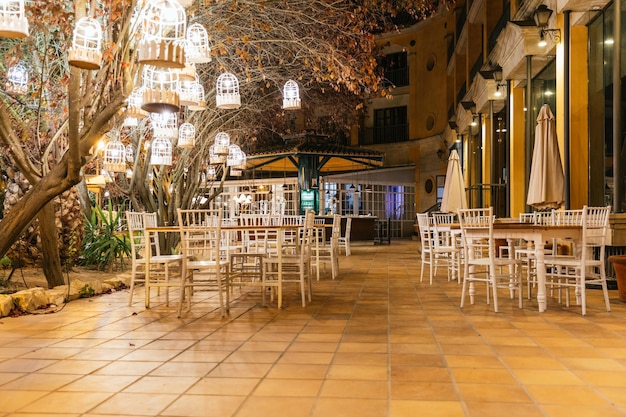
x=542 y=17
x=497 y=77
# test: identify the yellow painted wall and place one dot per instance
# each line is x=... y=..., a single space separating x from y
x=517 y=176
x=579 y=124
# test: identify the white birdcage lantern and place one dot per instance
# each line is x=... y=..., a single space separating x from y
x=192 y=95
x=214 y=158
x=221 y=143
x=197 y=49
x=235 y=172
x=186 y=136
x=134 y=103
x=129 y=153
x=235 y=156
x=211 y=173
x=130 y=121
x=242 y=162
x=129 y=173
x=17 y=79
x=114 y=159
x=86 y=50
x=163 y=34
x=160 y=90
x=165 y=124
x=291 y=96
x=13 y=22
x=161 y=151
x=227 y=96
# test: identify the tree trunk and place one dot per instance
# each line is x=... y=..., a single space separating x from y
x=51 y=264
x=83 y=195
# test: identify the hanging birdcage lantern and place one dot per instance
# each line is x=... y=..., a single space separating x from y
x=13 y=22
x=211 y=173
x=17 y=80
x=130 y=153
x=235 y=156
x=186 y=136
x=227 y=96
x=165 y=124
x=160 y=90
x=114 y=156
x=242 y=162
x=163 y=34
x=86 y=50
x=291 y=96
x=221 y=143
x=129 y=173
x=197 y=49
x=192 y=95
x=134 y=102
x=161 y=151
x=214 y=158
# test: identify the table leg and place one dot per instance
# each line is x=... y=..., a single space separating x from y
x=541 y=274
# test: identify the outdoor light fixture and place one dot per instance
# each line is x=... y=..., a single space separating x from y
x=542 y=17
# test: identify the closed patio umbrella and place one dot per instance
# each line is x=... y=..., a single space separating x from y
x=454 y=197
x=545 y=187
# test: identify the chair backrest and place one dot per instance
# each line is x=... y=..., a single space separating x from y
x=568 y=217
x=200 y=234
x=293 y=220
x=527 y=218
x=479 y=242
x=443 y=218
x=595 y=221
x=336 y=229
x=199 y=217
x=134 y=222
x=348 y=228
x=425 y=231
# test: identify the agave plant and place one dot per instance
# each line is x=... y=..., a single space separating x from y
x=106 y=240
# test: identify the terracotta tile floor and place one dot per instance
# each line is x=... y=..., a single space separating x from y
x=375 y=342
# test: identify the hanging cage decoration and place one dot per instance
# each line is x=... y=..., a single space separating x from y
x=161 y=151
x=165 y=124
x=129 y=153
x=114 y=159
x=235 y=156
x=215 y=158
x=13 y=22
x=186 y=136
x=160 y=90
x=291 y=96
x=227 y=96
x=197 y=49
x=17 y=79
x=192 y=95
x=221 y=143
x=163 y=34
x=134 y=102
x=211 y=173
x=86 y=49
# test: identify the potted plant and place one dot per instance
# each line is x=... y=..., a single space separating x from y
x=619 y=266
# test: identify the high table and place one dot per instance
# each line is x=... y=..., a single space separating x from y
x=538 y=235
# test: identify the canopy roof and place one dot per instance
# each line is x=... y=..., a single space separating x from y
x=331 y=158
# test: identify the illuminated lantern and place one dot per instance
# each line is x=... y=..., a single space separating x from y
x=227 y=96
x=86 y=50
x=291 y=96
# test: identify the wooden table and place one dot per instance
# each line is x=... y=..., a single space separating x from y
x=538 y=235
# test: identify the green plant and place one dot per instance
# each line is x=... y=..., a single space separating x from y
x=86 y=291
x=105 y=240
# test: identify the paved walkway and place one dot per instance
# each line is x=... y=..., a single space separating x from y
x=373 y=343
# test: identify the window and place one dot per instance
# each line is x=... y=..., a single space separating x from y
x=390 y=125
x=395 y=69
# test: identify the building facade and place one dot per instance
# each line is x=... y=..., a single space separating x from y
x=475 y=77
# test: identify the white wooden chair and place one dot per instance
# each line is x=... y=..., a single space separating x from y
x=205 y=264
x=344 y=241
x=586 y=265
x=481 y=261
x=294 y=267
x=162 y=267
x=327 y=251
